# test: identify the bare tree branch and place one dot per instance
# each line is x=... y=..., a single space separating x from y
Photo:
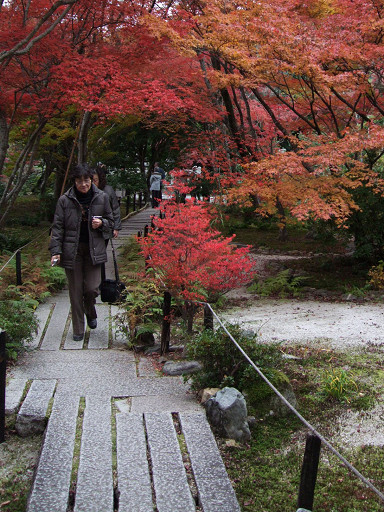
x=26 y=44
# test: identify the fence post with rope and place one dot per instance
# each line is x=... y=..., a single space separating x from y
x=309 y=471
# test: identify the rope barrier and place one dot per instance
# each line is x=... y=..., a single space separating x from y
x=301 y=418
x=20 y=248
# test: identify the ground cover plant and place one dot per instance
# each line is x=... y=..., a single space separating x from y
x=39 y=279
x=266 y=471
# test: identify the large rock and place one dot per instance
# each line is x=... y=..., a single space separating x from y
x=181 y=367
x=227 y=414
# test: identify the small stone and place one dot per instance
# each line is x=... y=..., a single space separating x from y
x=208 y=393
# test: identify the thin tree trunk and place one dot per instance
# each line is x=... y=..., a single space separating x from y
x=4 y=138
x=22 y=176
x=82 y=153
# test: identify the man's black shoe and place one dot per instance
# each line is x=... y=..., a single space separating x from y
x=78 y=337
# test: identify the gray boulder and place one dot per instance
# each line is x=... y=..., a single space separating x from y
x=181 y=367
x=227 y=414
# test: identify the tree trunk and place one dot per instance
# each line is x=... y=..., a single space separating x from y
x=21 y=172
x=82 y=153
x=283 y=235
x=4 y=137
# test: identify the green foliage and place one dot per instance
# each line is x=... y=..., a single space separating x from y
x=367 y=225
x=12 y=241
x=140 y=309
x=285 y=284
x=222 y=362
x=17 y=318
x=256 y=389
x=339 y=384
x=54 y=276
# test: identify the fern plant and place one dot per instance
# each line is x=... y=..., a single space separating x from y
x=284 y=284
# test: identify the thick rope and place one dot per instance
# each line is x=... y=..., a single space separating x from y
x=301 y=418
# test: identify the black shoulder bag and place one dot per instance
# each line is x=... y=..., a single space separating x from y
x=111 y=289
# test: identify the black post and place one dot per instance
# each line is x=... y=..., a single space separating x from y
x=18 y=268
x=208 y=317
x=166 y=328
x=309 y=472
x=127 y=204
x=146 y=231
x=134 y=202
x=3 y=366
x=140 y=202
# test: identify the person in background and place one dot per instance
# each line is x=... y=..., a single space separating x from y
x=156 y=168
x=99 y=179
x=155 y=187
x=82 y=221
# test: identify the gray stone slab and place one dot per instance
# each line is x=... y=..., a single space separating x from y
x=31 y=418
x=70 y=344
x=169 y=477
x=99 y=337
x=214 y=487
x=97 y=372
x=38 y=397
x=42 y=313
x=52 y=480
x=146 y=368
x=165 y=403
x=134 y=482
x=55 y=330
x=94 y=489
x=13 y=395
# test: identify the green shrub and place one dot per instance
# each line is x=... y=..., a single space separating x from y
x=282 y=285
x=140 y=311
x=17 y=318
x=54 y=276
x=222 y=362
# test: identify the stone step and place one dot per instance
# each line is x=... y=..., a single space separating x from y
x=214 y=488
x=14 y=394
x=169 y=478
x=94 y=489
x=56 y=326
x=50 y=489
x=146 y=459
x=32 y=416
x=133 y=476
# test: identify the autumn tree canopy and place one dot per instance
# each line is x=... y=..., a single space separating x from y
x=280 y=101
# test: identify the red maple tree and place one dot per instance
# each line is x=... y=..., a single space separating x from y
x=190 y=259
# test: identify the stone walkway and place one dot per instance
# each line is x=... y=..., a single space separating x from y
x=119 y=437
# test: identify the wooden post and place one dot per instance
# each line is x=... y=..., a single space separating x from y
x=18 y=268
x=146 y=231
x=3 y=366
x=309 y=472
x=166 y=327
x=140 y=200
x=127 y=204
x=134 y=202
x=208 y=317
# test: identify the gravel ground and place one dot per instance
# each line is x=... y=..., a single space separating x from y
x=339 y=326
x=342 y=326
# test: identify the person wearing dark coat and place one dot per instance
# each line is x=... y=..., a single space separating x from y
x=99 y=179
x=83 y=220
